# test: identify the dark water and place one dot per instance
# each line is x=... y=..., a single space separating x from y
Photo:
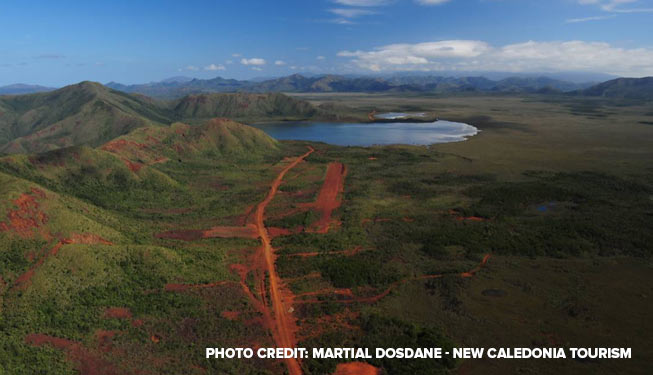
x=349 y=134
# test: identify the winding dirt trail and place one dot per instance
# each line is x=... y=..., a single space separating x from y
x=284 y=325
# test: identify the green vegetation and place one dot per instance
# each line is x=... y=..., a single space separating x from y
x=86 y=113
x=561 y=197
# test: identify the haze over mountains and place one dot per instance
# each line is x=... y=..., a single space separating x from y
x=180 y=86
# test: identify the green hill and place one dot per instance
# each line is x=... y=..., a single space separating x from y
x=86 y=113
x=215 y=138
x=242 y=106
x=91 y=114
x=625 y=88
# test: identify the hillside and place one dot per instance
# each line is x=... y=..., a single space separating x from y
x=86 y=113
x=215 y=138
x=626 y=88
x=242 y=106
x=91 y=114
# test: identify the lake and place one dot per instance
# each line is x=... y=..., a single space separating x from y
x=369 y=134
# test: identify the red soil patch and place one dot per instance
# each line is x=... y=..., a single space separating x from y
x=276 y=232
x=473 y=271
x=339 y=292
x=372 y=158
x=104 y=338
x=459 y=217
x=119 y=145
x=23 y=280
x=356 y=368
x=84 y=360
x=231 y=315
x=327 y=199
x=88 y=239
x=248 y=231
x=133 y=166
x=117 y=313
x=184 y=235
x=27 y=216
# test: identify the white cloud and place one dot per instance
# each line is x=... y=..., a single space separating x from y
x=350 y=12
x=253 y=61
x=320 y=58
x=362 y=3
x=586 y=19
x=191 y=68
x=279 y=63
x=473 y=55
x=236 y=55
x=214 y=67
x=229 y=62
x=431 y=2
x=617 y=6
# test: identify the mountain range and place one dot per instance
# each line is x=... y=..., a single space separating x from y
x=181 y=86
x=91 y=114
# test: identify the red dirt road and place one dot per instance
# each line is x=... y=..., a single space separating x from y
x=327 y=199
x=285 y=326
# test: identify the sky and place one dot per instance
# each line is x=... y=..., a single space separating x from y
x=55 y=43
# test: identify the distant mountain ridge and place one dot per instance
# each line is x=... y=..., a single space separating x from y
x=21 y=89
x=171 y=88
x=624 y=88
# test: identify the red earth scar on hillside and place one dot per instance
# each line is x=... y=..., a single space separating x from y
x=327 y=199
x=27 y=216
x=23 y=280
x=356 y=368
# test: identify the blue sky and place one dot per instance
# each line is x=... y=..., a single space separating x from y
x=61 y=42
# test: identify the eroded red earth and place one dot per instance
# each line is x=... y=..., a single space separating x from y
x=27 y=219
